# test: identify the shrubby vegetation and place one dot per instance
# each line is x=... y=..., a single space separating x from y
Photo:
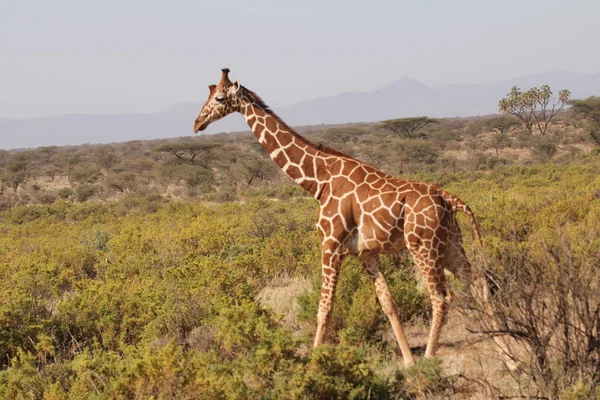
x=228 y=167
x=173 y=269
x=146 y=297
x=589 y=109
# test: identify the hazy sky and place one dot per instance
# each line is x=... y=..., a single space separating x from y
x=81 y=56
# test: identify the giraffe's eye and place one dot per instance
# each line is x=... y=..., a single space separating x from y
x=220 y=99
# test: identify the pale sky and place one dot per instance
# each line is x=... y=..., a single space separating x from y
x=122 y=56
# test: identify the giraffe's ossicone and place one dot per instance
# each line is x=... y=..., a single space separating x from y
x=364 y=212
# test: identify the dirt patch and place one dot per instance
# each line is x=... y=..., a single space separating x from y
x=280 y=295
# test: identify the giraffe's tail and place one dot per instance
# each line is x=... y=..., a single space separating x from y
x=458 y=205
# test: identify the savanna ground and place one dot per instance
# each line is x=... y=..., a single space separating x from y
x=147 y=270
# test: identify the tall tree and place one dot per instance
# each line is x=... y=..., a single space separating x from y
x=408 y=127
x=590 y=110
x=535 y=107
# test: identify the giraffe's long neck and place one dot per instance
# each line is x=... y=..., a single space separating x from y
x=298 y=158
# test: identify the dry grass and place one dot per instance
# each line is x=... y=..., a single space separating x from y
x=280 y=295
x=472 y=366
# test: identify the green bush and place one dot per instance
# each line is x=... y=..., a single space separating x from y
x=84 y=192
x=150 y=298
x=66 y=193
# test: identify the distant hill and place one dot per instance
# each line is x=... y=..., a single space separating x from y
x=401 y=98
x=407 y=97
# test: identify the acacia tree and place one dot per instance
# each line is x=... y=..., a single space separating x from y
x=124 y=182
x=498 y=141
x=343 y=135
x=197 y=176
x=15 y=175
x=47 y=161
x=189 y=150
x=374 y=155
x=590 y=110
x=535 y=108
x=408 y=127
x=105 y=157
x=501 y=124
x=18 y=169
x=252 y=167
x=71 y=160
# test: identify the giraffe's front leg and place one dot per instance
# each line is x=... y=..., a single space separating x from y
x=371 y=264
x=332 y=259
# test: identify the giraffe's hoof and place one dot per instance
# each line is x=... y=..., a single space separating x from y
x=407 y=363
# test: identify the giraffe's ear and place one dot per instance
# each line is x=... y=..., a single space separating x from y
x=235 y=88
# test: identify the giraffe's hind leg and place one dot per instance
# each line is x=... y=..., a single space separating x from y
x=457 y=262
x=372 y=265
x=428 y=258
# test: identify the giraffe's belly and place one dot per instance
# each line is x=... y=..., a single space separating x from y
x=368 y=238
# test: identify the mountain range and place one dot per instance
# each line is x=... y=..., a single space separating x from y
x=404 y=97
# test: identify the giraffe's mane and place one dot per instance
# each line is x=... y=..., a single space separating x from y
x=320 y=147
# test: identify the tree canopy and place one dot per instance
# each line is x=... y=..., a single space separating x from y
x=187 y=151
x=344 y=134
x=408 y=127
x=535 y=107
x=501 y=124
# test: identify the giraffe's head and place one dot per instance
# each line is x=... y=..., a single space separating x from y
x=223 y=99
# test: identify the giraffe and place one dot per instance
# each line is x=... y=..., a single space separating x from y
x=363 y=212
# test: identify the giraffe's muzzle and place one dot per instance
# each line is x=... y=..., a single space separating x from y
x=199 y=125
